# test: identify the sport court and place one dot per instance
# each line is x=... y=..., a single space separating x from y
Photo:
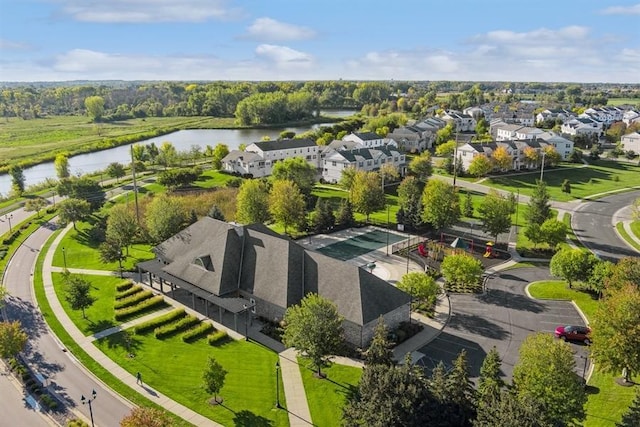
x=356 y=246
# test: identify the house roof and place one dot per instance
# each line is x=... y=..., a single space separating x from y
x=284 y=144
x=243 y=156
x=367 y=136
x=214 y=258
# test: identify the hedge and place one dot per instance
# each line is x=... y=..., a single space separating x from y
x=217 y=337
x=132 y=290
x=156 y=322
x=133 y=299
x=172 y=328
x=121 y=287
x=123 y=313
x=195 y=333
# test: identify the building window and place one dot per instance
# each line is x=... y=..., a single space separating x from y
x=360 y=164
x=333 y=164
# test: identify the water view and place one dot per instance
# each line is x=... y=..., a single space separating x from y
x=182 y=140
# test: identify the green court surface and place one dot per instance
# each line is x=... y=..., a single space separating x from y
x=360 y=245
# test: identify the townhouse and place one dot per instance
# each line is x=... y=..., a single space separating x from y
x=631 y=142
x=365 y=159
x=463 y=122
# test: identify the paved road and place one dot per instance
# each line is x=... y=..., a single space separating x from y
x=11 y=398
x=66 y=376
x=502 y=317
x=594 y=224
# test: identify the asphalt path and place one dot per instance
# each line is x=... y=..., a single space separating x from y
x=502 y=317
x=44 y=353
x=594 y=224
x=11 y=398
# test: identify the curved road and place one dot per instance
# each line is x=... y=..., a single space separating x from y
x=594 y=224
x=44 y=353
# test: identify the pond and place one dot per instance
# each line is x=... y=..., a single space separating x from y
x=182 y=140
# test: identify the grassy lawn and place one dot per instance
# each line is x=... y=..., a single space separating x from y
x=635 y=228
x=100 y=315
x=326 y=397
x=80 y=252
x=68 y=343
x=621 y=101
x=175 y=369
x=600 y=177
x=608 y=401
x=620 y=228
x=566 y=219
x=212 y=178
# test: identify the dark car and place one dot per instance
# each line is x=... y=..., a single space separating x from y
x=574 y=333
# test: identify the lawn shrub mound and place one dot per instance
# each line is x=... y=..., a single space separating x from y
x=217 y=338
x=133 y=299
x=198 y=331
x=141 y=307
x=152 y=324
x=178 y=326
x=467 y=288
x=121 y=287
x=131 y=291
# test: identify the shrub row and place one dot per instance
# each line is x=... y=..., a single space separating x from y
x=194 y=333
x=217 y=337
x=121 y=287
x=133 y=299
x=132 y=290
x=154 y=323
x=10 y=237
x=177 y=326
x=123 y=313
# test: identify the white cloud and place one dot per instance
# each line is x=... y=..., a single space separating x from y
x=11 y=45
x=147 y=11
x=622 y=10
x=267 y=29
x=283 y=55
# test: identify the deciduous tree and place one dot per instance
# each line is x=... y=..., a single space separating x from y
x=147 y=417
x=116 y=170
x=314 y=327
x=545 y=373
x=441 y=204
x=122 y=226
x=72 y=210
x=502 y=159
x=410 y=200
x=422 y=288
x=17 y=180
x=421 y=166
x=566 y=186
x=446 y=149
x=495 y=214
x=78 y=293
x=219 y=153
x=95 y=107
x=61 y=164
x=286 y=204
x=213 y=377
x=164 y=217
x=571 y=264
x=297 y=170
x=616 y=332
x=13 y=339
x=35 y=205
x=480 y=166
x=83 y=188
x=601 y=270
x=553 y=232
x=111 y=251
x=366 y=194
x=626 y=271
x=252 y=202
x=631 y=418
x=461 y=270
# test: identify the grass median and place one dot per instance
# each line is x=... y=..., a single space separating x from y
x=607 y=400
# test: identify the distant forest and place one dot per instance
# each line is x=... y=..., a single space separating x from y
x=259 y=103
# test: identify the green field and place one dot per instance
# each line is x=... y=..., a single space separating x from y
x=621 y=101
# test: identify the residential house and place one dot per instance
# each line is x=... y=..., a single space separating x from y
x=631 y=142
x=630 y=117
x=563 y=146
x=366 y=139
x=365 y=159
x=463 y=122
x=233 y=271
x=606 y=115
x=555 y=113
x=412 y=139
x=582 y=126
x=265 y=154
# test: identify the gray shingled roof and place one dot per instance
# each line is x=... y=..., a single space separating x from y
x=367 y=136
x=245 y=156
x=283 y=144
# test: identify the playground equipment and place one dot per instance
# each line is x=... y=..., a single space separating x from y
x=489 y=250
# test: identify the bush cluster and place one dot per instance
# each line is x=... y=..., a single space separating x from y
x=133 y=299
x=131 y=291
x=123 y=313
x=194 y=333
x=175 y=327
x=217 y=337
x=11 y=237
x=154 y=323
x=121 y=287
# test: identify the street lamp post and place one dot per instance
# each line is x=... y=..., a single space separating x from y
x=584 y=370
x=542 y=166
x=408 y=251
x=387 y=230
x=88 y=401
x=278 y=385
x=246 y=322
x=64 y=258
x=8 y=218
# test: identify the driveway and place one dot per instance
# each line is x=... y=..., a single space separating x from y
x=502 y=317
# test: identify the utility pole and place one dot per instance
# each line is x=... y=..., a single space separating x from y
x=135 y=187
x=544 y=153
x=455 y=162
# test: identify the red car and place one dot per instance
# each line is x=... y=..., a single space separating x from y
x=574 y=333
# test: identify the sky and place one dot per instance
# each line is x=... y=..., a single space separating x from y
x=193 y=40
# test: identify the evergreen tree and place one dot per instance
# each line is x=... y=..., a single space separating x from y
x=631 y=418
x=460 y=392
x=345 y=214
x=490 y=383
x=379 y=352
x=323 y=218
x=566 y=186
x=216 y=213
x=539 y=206
x=509 y=411
x=467 y=205
x=17 y=180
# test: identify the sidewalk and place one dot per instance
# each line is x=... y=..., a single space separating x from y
x=86 y=343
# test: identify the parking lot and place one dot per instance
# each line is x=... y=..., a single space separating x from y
x=502 y=317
